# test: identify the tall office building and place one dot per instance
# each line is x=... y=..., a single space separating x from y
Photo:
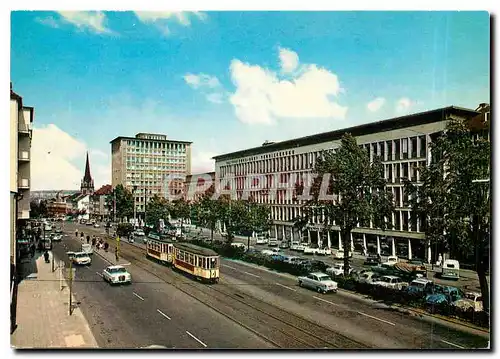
x=145 y=165
x=403 y=145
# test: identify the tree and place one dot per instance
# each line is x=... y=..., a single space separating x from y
x=259 y=218
x=38 y=209
x=180 y=209
x=453 y=199
x=124 y=202
x=348 y=190
x=124 y=229
x=208 y=211
x=156 y=209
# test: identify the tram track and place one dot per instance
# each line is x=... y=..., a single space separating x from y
x=271 y=323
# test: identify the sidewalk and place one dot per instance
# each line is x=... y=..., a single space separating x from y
x=43 y=319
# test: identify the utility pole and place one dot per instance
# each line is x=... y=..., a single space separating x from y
x=70 y=286
x=114 y=205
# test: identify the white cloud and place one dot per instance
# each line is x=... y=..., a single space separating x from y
x=201 y=80
x=289 y=60
x=58 y=160
x=93 y=20
x=160 y=18
x=215 y=97
x=375 y=105
x=49 y=21
x=202 y=161
x=262 y=97
x=403 y=105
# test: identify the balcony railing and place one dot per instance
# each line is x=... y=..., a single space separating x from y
x=24 y=155
x=24 y=128
x=24 y=183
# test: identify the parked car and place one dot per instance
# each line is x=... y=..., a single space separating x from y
x=324 y=251
x=372 y=260
x=96 y=225
x=340 y=254
x=390 y=281
x=369 y=277
x=273 y=242
x=311 y=265
x=420 y=286
x=297 y=247
x=293 y=260
x=116 y=275
x=391 y=260
x=311 y=250
x=319 y=282
x=239 y=245
x=81 y=258
x=443 y=294
x=284 y=245
x=337 y=270
x=59 y=230
x=261 y=240
x=472 y=301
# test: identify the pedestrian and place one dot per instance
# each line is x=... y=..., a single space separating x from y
x=88 y=239
x=93 y=241
x=116 y=254
x=76 y=233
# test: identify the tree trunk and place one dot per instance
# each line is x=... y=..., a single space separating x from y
x=248 y=243
x=481 y=266
x=346 y=243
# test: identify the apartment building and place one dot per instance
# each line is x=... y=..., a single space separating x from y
x=98 y=209
x=21 y=120
x=148 y=165
x=275 y=168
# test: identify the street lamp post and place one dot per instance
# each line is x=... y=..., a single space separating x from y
x=133 y=193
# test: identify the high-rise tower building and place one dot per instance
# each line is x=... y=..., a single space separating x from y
x=143 y=164
x=87 y=186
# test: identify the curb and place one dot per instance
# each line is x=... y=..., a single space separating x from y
x=407 y=310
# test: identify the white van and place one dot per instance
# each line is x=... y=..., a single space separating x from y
x=450 y=269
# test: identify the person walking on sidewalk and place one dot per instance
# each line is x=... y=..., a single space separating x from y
x=88 y=239
x=116 y=254
x=76 y=234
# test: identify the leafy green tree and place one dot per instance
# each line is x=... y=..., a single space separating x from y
x=180 y=209
x=208 y=211
x=156 y=209
x=453 y=198
x=124 y=229
x=124 y=202
x=38 y=209
x=357 y=190
x=259 y=219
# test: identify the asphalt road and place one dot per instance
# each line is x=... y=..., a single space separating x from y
x=375 y=325
x=149 y=311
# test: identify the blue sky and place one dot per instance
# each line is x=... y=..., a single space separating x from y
x=231 y=80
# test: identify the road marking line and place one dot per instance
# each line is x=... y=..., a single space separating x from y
x=99 y=274
x=326 y=301
x=198 y=340
x=284 y=286
x=452 y=344
x=166 y=316
x=382 y=320
x=225 y=265
x=137 y=295
x=253 y=275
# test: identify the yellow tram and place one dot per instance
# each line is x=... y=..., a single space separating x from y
x=160 y=249
x=201 y=263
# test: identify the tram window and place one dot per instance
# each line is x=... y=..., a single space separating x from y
x=203 y=263
x=212 y=263
x=191 y=259
x=196 y=261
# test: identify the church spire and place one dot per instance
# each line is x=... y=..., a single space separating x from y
x=87 y=177
x=87 y=186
